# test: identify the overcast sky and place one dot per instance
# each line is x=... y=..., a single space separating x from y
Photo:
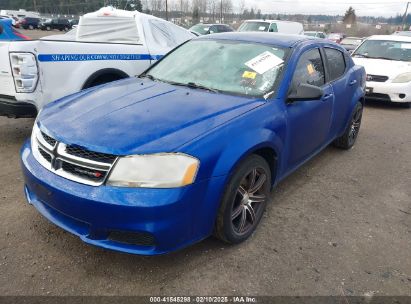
x=334 y=7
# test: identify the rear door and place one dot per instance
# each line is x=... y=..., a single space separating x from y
x=343 y=81
x=308 y=122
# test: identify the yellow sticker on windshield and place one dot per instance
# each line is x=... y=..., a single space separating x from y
x=249 y=75
x=310 y=69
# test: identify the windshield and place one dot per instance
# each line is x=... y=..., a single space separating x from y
x=201 y=29
x=254 y=27
x=385 y=49
x=232 y=67
x=311 y=34
x=351 y=41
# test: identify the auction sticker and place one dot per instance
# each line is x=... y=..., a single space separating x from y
x=264 y=62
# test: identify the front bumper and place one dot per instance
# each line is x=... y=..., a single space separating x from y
x=10 y=107
x=387 y=91
x=143 y=221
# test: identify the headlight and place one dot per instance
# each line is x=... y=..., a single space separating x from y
x=165 y=170
x=402 y=78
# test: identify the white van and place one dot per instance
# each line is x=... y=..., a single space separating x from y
x=274 y=26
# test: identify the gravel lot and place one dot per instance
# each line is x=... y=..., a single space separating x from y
x=340 y=225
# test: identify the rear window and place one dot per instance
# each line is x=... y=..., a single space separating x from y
x=336 y=63
x=254 y=26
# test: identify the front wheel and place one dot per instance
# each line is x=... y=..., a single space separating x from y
x=347 y=140
x=244 y=201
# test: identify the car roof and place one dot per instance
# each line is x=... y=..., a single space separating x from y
x=390 y=38
x=282 y=40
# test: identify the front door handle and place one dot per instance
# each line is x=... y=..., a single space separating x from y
x=353 y=82
x=327 y=96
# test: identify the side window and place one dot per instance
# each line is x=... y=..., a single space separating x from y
x=273 y=28
x=336 y=63
x=309 y=70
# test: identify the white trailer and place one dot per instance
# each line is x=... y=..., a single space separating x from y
x=108 y=45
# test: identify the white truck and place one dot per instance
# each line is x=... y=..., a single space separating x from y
x=108 y=45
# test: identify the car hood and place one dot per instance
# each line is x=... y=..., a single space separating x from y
x=137 y=116
x=390 y=68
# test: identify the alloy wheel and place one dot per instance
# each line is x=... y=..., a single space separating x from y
x=249 y=201
x=355 y=125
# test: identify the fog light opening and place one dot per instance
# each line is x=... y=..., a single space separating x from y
x=402 y=96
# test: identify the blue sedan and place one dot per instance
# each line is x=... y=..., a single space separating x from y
x=193 y=146
x=7 y=32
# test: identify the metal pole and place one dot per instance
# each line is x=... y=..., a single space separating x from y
x=221 y=12
x=166 y=10
x=404 y=18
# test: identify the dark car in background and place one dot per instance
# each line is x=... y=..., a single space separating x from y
x=205 y=29
x=60 y=24
x=351 y=43
x=29 y=23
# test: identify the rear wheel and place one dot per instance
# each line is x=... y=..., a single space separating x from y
x=350 y=135
x=48 y=28
x=244 y=201
x=31 y=27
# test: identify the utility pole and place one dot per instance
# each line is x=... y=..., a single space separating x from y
x=166 y=10
x=404 y=18
x=35 y=5
x=221 y=12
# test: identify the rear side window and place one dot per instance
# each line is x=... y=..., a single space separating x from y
x=273 y=28
x=310 y=70
x=336 y=63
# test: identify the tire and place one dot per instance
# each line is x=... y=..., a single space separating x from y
x=66 y=29
x=347 y=140
x=31 y=27
x=48 y=28
x=244 y=201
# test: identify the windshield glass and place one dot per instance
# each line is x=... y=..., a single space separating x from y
x=311 y=34
x=351 y=41
x=232 y=67
x=201 y=29
x=254 y=27
x=384 y=49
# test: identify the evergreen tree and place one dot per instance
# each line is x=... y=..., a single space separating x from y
x=350 y=17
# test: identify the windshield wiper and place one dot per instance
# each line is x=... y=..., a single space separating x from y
x=199 y=86
x=151 y=77
x=191 y=85
x=384 y=58
x=361 y=55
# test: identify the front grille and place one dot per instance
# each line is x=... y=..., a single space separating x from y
x=72 y=162
x=376 y=78
x=51 y=141
x=45 y=155
x=132 y=238
x=94 y=156
x=378 y=96
x=83 y=172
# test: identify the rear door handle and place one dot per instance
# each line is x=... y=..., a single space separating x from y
x=353 y=82
x=327 y=96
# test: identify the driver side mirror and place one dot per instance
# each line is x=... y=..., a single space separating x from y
x=306 y=92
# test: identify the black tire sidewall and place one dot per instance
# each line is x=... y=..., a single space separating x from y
x=231 y=190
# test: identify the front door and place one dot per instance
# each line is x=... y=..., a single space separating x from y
x=308 y=122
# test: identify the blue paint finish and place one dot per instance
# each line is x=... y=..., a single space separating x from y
x=9 y=33
x=139 y=116
x=95 y=57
